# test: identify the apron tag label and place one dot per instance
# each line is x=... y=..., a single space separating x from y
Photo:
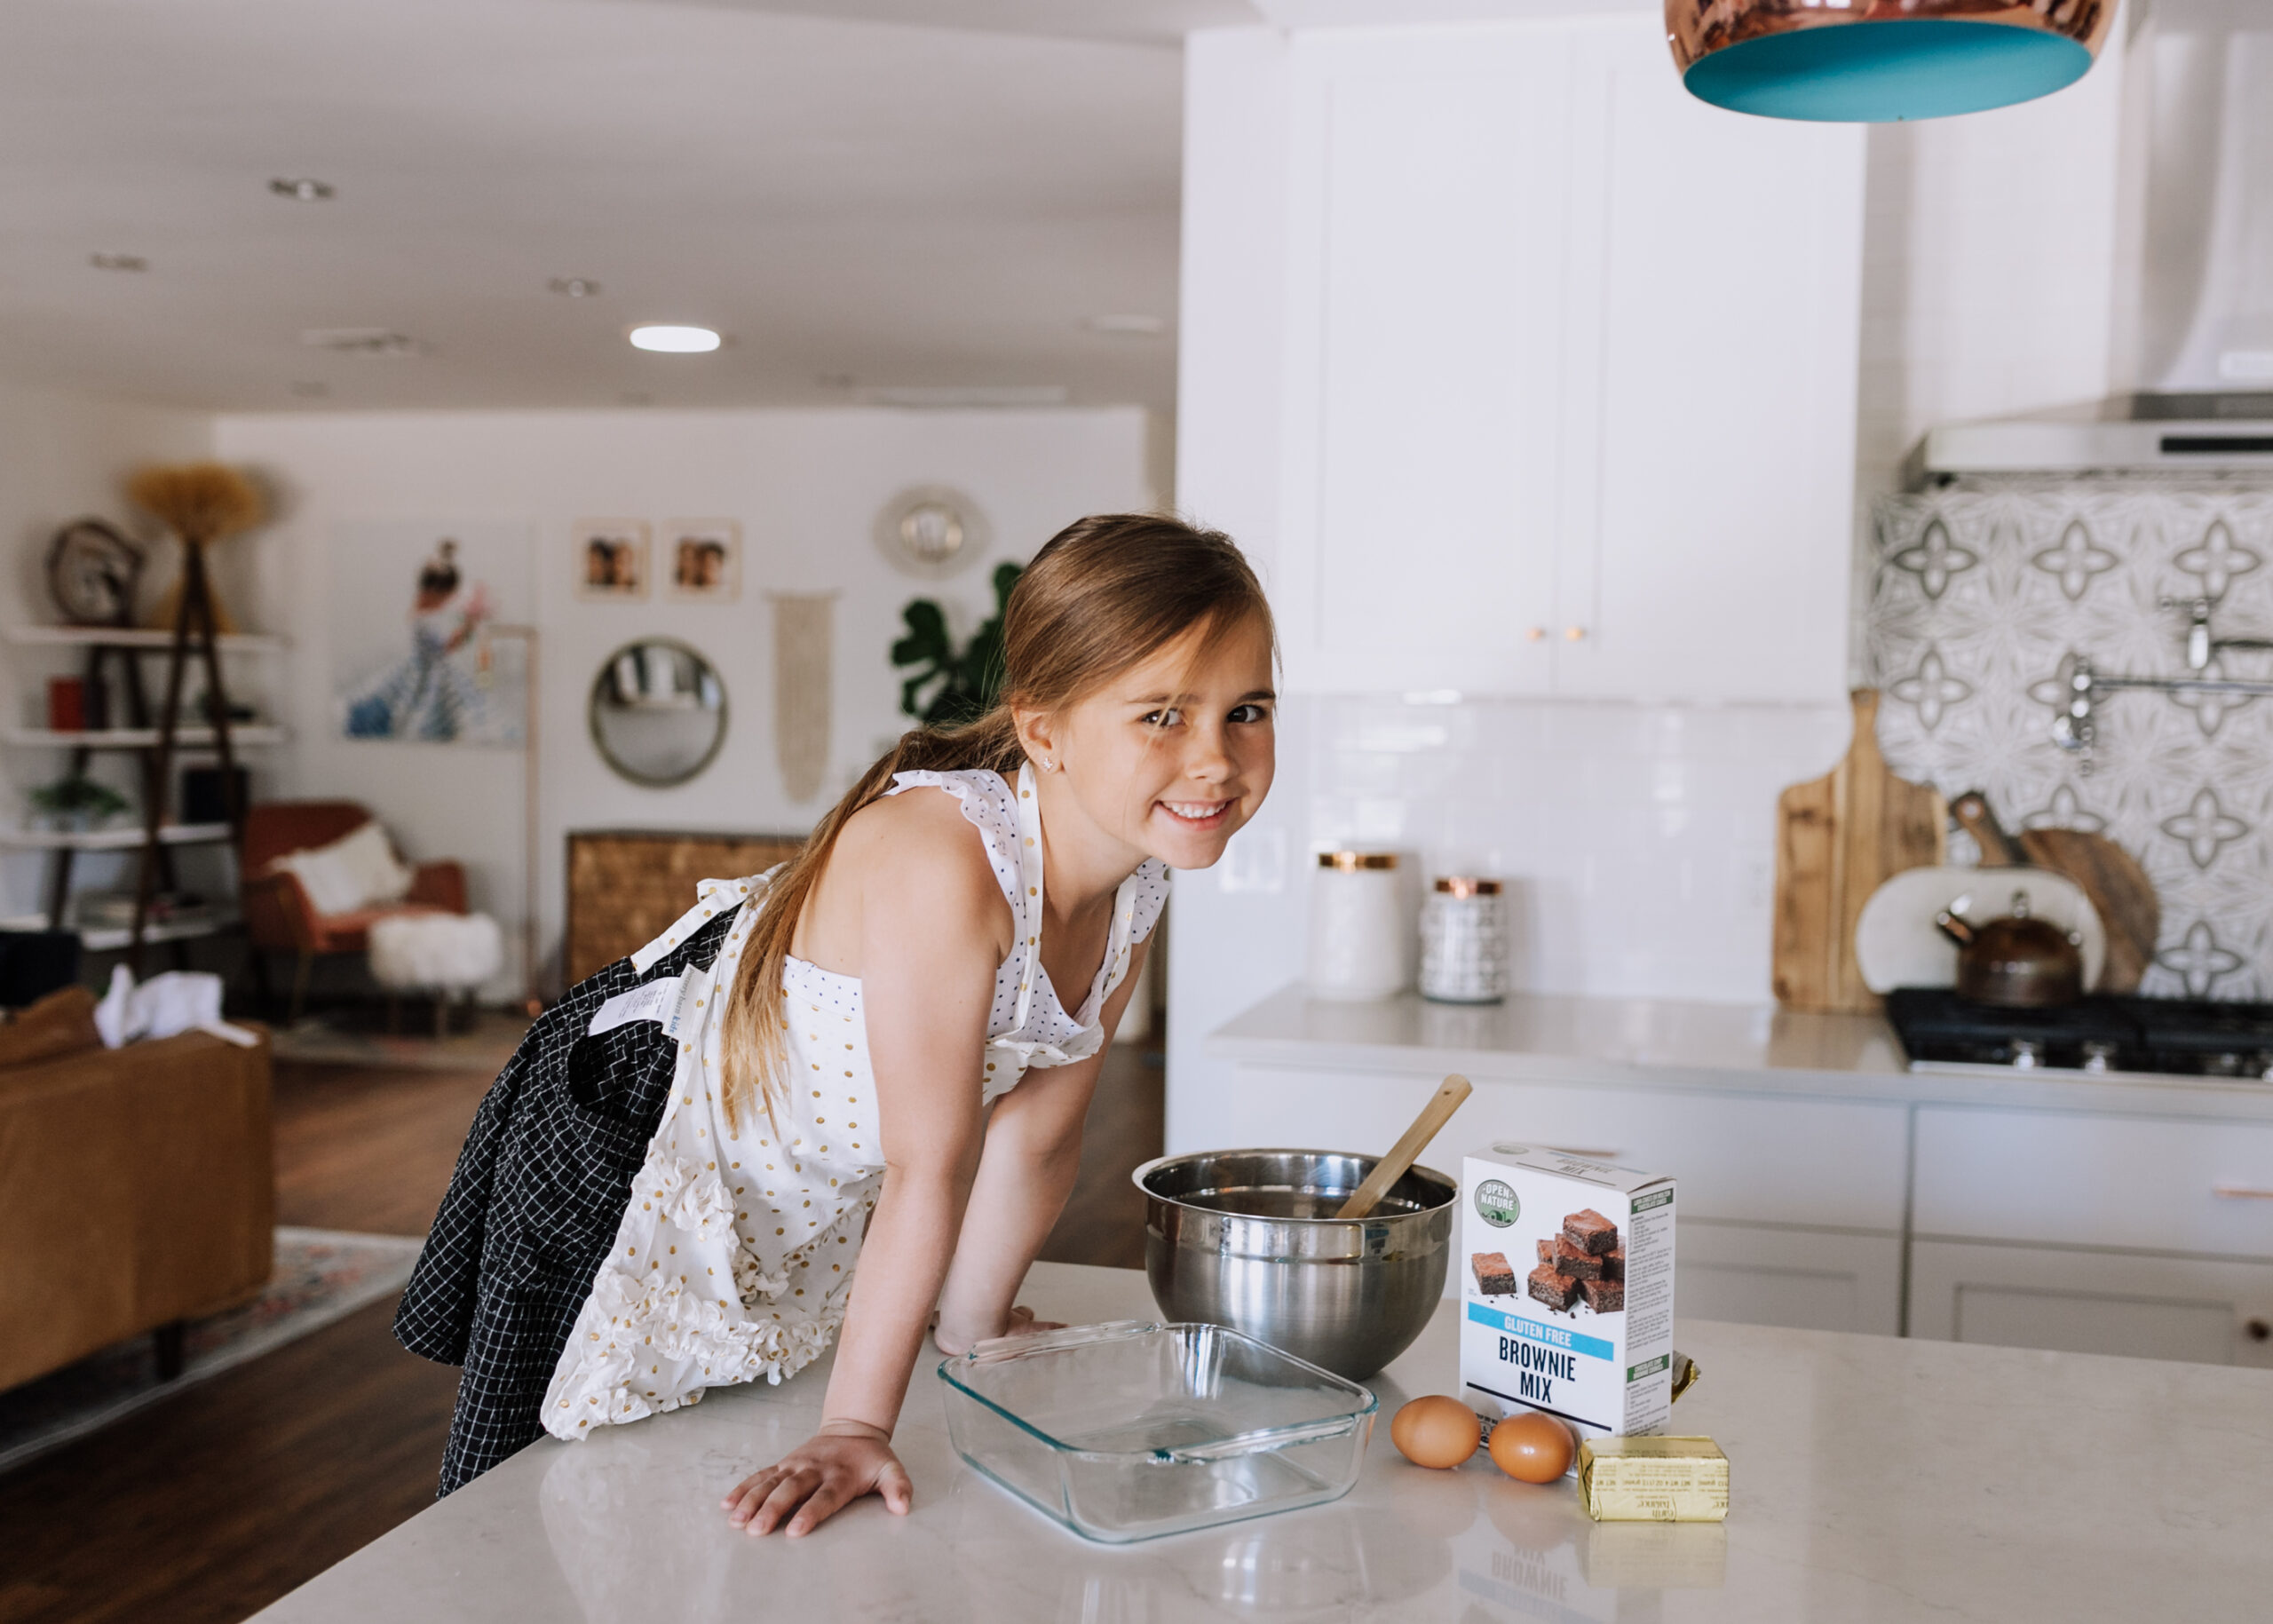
x=657 y=1001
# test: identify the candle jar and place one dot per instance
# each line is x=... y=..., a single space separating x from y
x=1463 y=942
x=1359 y=928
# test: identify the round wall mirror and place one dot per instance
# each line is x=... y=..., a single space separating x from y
x=658 y=712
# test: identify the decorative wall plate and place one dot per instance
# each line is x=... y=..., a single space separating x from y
x=931 y=532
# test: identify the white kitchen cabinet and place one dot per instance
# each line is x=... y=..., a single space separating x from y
x=1569 y=385
x=1741 y=1158
x=1814 y=1280
x=2079 y=1179
x=2212 y=1310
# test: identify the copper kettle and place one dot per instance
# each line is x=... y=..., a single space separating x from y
x=2016 y=962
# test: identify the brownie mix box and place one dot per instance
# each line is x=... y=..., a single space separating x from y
x=1567 y=1288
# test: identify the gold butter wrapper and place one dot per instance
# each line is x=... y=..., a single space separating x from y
x=1654 y=1479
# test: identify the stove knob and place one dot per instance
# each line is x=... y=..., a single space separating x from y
x=2098 y=1056
x=2027 y=1054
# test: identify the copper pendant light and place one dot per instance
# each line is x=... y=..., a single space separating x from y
x=1878 y=61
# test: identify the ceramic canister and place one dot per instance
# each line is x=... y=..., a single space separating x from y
x=1463 y=942
x=1359 y=927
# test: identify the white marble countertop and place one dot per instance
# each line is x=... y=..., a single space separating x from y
x=1661 y=1042
x=1871 y=1478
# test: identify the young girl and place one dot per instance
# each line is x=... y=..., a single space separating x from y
x=880 y=1054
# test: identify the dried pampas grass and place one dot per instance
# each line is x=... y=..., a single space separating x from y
x=199 y=502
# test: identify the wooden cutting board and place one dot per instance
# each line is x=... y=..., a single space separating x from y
x=1838 y=838
x=2120 y=890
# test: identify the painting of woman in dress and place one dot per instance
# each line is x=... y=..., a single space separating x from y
x=449 y=686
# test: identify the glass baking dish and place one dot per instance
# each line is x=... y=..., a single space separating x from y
x=1132 y=1430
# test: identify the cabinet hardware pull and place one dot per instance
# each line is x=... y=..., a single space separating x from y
x=1535 y=634
x=2241 y=1192
x=1575 y=634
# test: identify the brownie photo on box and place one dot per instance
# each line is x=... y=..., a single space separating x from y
x=1557 y=1291
x=1604 y=1296
x=1579 y=1265
x=1496 y=1276
x=1588 y=1231
x=1613 y=1264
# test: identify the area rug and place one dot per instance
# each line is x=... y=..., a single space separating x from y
x=322 y=1275
x=359 y=1037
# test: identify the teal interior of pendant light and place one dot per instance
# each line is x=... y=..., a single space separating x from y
x=1878 y=73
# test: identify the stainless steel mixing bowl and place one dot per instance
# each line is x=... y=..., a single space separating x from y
x=1246 y=1238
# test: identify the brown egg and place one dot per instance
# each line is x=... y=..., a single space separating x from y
x=1532 y=1447
x=1436 y=1431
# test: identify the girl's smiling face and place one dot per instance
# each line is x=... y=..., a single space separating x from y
x=1173 y=755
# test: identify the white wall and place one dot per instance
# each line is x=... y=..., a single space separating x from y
x=807 y=487
x=2001 y=258
x=63 y=456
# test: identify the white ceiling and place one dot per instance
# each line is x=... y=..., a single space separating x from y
x=858 y=202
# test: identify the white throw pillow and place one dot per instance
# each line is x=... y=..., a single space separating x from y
x=359 y=869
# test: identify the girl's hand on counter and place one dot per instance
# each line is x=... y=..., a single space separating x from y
x=1022 y=1323
x=810 y=1484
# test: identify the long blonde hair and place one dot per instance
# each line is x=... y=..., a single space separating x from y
x=1107 y=593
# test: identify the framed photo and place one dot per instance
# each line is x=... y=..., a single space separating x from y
x=414 y=656
x=702 y=559
x=612 y=558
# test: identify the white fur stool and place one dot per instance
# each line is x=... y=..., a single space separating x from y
x=443 y=953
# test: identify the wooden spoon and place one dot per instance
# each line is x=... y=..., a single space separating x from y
x=1402 y=1155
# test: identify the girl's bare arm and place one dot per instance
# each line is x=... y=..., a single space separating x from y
x=934 y=927
x=1032 y=1152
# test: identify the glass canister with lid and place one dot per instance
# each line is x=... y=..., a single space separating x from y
x=1463 y=942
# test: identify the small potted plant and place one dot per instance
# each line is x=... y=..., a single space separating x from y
x=75 y=803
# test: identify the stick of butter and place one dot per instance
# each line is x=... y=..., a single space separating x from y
x=1654 y=1479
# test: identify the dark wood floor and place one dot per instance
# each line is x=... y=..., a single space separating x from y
x=208 y=1506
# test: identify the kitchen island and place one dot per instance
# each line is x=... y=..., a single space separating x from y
x=1871 y=1478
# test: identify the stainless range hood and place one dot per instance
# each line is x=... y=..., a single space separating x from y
x=2129 y=434
x=2204 y=332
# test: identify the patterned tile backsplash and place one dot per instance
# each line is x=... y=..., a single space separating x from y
x=1638 y=840
x=1980 y=591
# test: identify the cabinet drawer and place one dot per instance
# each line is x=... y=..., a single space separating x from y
x=2099 y=1181
x=1739 y=1157
x=1813 y=1280
x=2209 y=1311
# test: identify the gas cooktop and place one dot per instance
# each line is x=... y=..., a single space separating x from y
x=2101 y=1034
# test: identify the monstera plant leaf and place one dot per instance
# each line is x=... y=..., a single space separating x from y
x=950 y=687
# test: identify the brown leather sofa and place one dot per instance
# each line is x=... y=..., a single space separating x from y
x=137 y=1190
x=278 y=915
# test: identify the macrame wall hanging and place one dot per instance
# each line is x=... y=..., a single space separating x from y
x=802 y=637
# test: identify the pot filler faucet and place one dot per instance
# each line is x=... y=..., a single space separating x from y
x=2082 y=686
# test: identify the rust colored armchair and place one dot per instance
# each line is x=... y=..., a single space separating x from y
x=279 y=915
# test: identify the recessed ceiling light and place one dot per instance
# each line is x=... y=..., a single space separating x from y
x=675 y=340
x=1129 y=324
x=575 y=287
x=301 y=189
x=118 y=262
x=361 y=341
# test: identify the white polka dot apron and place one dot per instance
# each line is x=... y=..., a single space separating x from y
x=735 y=1253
